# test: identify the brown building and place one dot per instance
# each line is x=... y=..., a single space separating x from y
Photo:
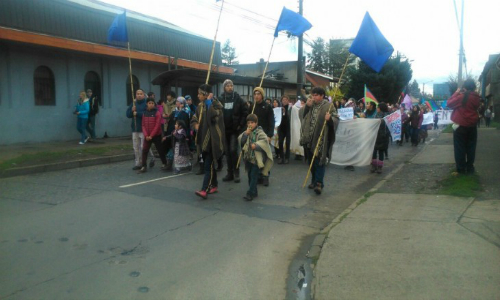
x=490 y=84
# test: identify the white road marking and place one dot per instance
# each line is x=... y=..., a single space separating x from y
x=152 y=180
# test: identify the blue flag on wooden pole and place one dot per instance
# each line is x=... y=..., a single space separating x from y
x=370 y=45
x=117 y=32
x=292 y=22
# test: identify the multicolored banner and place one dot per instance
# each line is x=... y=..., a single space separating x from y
x=393 y=122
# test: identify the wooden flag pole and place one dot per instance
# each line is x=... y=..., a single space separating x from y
x=131 y=83
x=260 y=85
x=324 y=123
x=213 y=44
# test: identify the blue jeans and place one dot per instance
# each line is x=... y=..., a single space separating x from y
x=317 y=171
x=464 y=144
x=253 y=175
x=210 y=178
x=80 y=126
x=91 y=126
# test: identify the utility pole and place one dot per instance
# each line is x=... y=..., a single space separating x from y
x=461 y=55
x=300 y=59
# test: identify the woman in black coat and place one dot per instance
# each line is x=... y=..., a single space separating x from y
x=382 y=143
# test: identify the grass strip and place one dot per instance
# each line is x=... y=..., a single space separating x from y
x=461 y=185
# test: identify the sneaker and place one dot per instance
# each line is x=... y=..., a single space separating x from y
x=228 y=177
x=201 y=194
x=81 y=143
x=248 y=197
x=136 y=168
x=163 y=167
x=212 y=190
x=311 y=186
x=141 y=170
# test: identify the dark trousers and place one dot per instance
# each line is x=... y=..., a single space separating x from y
x=488 y=121
x=464 y=142
x=406 y=132
x=232 y=151
x=380 y=154
x=145 y=149
x=284 y=133
x=253 y=175
x=210 y=178
x=317 y=171
x=91 y=126
x=414 y=135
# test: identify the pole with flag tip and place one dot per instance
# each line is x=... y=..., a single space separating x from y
x=131 y=82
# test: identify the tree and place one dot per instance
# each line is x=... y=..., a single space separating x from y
x=387 y=85
x=316 y=59
x=229 y=54
x=453 y=82
x=415 y=90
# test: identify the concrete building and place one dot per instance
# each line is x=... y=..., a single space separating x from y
x=440 y=91
x=490 y=84
x=50 y=50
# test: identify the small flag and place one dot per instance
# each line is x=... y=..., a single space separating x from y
x=117 y=32
x=292 y=22
x=370 y=45
x=369 y=96
x=407 y=102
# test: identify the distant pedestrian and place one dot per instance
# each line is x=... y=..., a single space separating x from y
x=436 y=120
x=480 y=112
x=256 y=153
x=82 y=109
x=487 y=115
x=465 y=104
x=181 y=148
x=382 y=142
x=416 y=119
x=284 y=131
x=151 y=130
x=169 y=107
x=135 y=112
x=94 y=110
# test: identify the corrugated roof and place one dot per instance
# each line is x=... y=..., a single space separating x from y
x=89 y=20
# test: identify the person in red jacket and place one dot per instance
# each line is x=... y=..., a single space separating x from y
x=151 y=128
x=465 y=104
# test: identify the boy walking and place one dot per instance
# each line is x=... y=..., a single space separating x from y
x=151 y=129
x=256 y=154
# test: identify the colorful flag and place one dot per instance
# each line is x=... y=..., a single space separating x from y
x=117 y=32
x=369 y=96
x=407 y=102
x=370 y=45
x=292 y=22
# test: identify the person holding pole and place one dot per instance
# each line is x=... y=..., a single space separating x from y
x=135 y=112
x=316 y=113
x=208 y=122
x=235 y=113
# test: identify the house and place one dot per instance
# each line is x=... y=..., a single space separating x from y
x=490 y=84
x=50 y=50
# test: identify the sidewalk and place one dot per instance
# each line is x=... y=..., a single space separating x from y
x=23 y=159
x=403 y=243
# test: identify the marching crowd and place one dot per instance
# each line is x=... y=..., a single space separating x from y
x=242 y=131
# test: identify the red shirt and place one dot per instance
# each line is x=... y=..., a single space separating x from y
x=464 y=115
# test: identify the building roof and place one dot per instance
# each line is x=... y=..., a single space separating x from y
x=89 y=21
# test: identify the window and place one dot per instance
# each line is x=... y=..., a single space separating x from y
x=45 y=87
x=93 y=82
x=135 y=86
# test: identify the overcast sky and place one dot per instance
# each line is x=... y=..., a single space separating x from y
x=425 y=31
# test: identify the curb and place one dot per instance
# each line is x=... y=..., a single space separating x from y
x=65 y=165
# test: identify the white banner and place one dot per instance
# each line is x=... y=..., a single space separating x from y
x=278 y=112
x=393 y=122
x=354 y=142
x=295 y=147
x=346 y=113
x=444 y=116
x=428 y=119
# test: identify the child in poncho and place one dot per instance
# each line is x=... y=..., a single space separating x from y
x=181 y=148
x=256 y=154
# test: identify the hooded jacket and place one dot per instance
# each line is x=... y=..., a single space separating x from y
x=235 y=112
x=464 y=107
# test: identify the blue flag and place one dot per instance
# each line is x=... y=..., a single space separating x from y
x=117 y=32
x=292 y=22
x=370 y=45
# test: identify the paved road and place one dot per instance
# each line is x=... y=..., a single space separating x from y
x=80 y=234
